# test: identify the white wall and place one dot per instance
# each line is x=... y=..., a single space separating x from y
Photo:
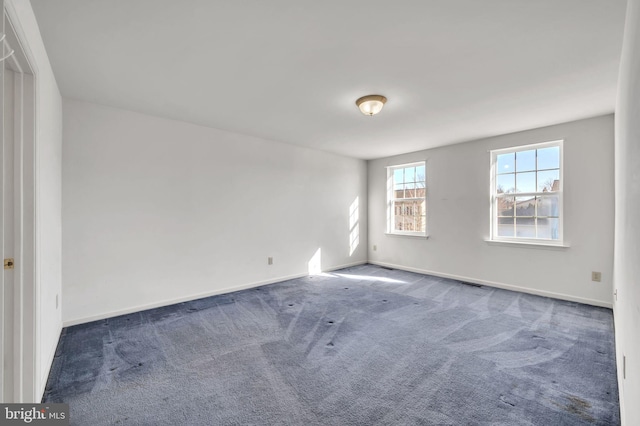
x=47 y=192
x=458 y=210
x=157 y=211
x=627 y=219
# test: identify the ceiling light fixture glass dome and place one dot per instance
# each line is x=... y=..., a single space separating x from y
x=371 y=104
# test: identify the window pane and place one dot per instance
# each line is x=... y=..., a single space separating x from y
x=526 y=228
x=549 y=158
x=410 y=174
x=505 y=206
x=410 y=190
x=398 y=216
x=505 y=227
x=398 y=190
x=398 y=176
x=549 y=180
x=408 y=223
x=525 y=206
x=506 y=163
x=420 y=173
x=525 y=161
x=506 y=184
x=422 y=223
x=526 y=182
x=409 y=215
x=548 y=228
x=416 y=214
x=548 y=206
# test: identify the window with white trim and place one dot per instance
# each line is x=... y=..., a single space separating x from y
x=526 y=193
x=407 y=199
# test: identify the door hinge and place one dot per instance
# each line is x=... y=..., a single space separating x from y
x=8 y=263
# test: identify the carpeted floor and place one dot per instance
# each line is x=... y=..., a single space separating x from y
x=360 y=346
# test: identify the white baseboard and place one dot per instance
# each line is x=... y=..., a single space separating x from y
x=216 y=292
x=132 y=309
x=528 y=290
x=347 y=265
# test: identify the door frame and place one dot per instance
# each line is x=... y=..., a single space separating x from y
x=26 y=273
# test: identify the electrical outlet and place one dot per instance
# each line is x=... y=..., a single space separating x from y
x=596 y=276
x=270 y=261
x=375 y=247
x=56 y=301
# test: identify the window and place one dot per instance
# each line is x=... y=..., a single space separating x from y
x=407 y=199
x=526 y=193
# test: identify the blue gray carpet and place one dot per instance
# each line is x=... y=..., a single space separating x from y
x=359 y=346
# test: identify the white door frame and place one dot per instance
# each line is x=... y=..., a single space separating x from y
x=26 y=279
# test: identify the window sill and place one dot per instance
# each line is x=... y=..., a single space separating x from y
x=395 y=234
x=528 y=244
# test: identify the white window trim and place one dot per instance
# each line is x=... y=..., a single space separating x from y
x=390 y=210
x=528 y=244
x=408 y=234
x=493 y=215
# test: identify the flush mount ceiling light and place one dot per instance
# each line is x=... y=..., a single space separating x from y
x=371 y=104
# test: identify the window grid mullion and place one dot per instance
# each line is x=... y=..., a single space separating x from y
x=538 y=197
x=529 y=194
x=406 y=211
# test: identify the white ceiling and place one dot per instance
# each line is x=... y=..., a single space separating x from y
x=291 y=70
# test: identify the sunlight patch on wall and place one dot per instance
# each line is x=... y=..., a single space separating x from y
x=315 y=264
x=354 y=225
